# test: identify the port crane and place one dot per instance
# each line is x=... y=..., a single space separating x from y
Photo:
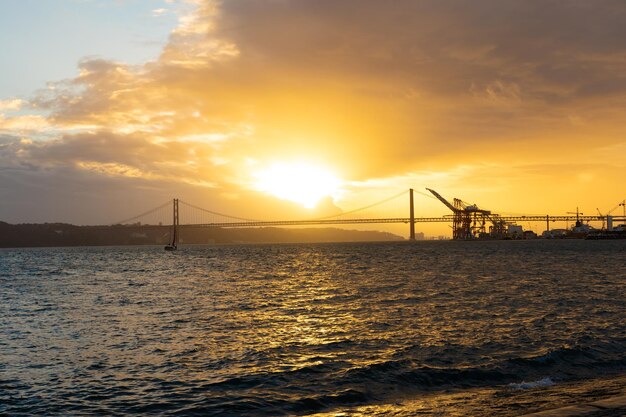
x=578 y=214
x=605 y=217
x=602 y=216
x=469 y=220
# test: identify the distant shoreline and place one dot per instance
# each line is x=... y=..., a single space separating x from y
x=68 y=235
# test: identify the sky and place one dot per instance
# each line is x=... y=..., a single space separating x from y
x=300 y=108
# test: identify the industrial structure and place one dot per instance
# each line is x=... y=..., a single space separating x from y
x=609 y=218
x=469 y=221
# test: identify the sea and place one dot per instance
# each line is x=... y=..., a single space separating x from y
x=432 y=328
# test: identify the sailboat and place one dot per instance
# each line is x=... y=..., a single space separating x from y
x=173 y=244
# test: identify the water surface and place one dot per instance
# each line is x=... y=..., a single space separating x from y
x=437 y=328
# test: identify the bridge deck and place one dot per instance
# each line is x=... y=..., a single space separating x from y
x=444 y=219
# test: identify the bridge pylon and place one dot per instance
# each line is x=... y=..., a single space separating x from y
x=174 y=231
x=411 y=216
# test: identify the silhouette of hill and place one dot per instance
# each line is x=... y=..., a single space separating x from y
x=62 y=234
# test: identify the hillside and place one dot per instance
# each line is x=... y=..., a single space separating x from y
x=61 y=234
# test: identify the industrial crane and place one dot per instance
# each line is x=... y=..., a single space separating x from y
x=602 y=216
x=606 y=216
x=469 y=220
x=578 y=223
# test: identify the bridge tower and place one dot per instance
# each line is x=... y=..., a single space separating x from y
x=411 y=216
x=173 y=244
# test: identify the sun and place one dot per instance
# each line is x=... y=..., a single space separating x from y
x=300 y=182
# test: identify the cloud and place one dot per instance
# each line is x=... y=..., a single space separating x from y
x=24 y=124
x=159 y=12
x=11 y=104
x=420 y=67
x=113 y=155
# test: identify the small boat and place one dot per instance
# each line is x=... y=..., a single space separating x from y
x=173 y=245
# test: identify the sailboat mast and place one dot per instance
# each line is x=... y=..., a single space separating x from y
x=175 y=222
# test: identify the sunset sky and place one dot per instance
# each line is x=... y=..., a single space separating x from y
x=108 y=108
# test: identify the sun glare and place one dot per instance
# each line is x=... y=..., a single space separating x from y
x=301 y=183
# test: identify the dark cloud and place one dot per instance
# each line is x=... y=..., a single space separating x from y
x=438 y=46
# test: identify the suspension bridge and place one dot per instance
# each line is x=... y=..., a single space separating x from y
x=465 y=219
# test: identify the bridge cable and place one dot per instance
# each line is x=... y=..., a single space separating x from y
x=424 y=194
x=218 y=214
x=362 y=208
x=144 y=214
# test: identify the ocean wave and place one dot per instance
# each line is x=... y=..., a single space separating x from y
x=542 y=383
x=577 y=358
